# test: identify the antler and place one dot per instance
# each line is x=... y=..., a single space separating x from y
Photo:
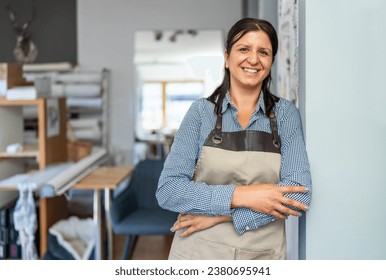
x=20 y=30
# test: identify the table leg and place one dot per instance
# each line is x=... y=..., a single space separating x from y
x=97 y=224
x=108 y=225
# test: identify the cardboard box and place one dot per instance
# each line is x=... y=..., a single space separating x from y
x=11 y=75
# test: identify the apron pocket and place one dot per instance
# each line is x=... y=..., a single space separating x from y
x=255 y=255
x=209 y=250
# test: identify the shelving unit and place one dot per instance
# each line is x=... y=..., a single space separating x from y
x=87 y=100
x=50 y=149
x=80 y=112
x=47 y=149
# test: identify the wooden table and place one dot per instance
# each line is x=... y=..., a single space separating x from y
x=105 y=179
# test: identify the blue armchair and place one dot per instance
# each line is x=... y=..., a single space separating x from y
x=135 y=211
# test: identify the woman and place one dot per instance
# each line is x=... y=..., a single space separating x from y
x=238 y=165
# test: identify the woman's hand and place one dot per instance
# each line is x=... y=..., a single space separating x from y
x=269 y=199
x=195 y=223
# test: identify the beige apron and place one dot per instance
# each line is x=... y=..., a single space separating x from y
x=241 y=158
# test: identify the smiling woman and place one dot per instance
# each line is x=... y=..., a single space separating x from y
x=238 y=166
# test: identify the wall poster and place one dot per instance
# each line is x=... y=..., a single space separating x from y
x=53 y=117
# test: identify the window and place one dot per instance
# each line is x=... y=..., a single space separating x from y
x=164 y=104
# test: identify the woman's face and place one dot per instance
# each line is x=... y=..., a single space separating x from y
x=250 y=60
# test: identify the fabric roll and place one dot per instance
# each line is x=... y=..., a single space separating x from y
x=57 y=90
x=80 y=77
x=41 y=67
x=84 y=102
x=64 y=180
x=84 y=123
x=88 y=133
x=82 y=90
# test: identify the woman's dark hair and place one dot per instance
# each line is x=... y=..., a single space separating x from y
x=238 y=30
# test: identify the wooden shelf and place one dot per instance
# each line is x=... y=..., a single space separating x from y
x=50 y=149
x=6 y=102
x=29 y=150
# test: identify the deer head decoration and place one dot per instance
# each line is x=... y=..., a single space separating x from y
x=25 y=50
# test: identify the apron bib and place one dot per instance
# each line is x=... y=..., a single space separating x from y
x=240 y=158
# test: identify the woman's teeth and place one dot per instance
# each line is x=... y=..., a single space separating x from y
x=250 y=70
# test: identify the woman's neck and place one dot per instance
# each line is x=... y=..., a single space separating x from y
x=245 y=103
x=244 y=100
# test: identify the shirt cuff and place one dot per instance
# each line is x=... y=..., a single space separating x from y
x=245 y=220
x=221 y=199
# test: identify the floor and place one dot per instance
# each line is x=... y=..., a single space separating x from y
x=148 y=247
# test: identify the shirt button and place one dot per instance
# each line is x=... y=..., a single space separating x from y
x=247 y=228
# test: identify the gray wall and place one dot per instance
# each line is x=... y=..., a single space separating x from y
x=346 y=128
x=105 y=39
x=53 y=30
x=268 y=10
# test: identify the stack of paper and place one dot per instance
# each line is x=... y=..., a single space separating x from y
x=17 y=93
x=41 y=88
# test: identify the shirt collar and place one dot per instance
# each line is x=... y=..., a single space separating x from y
x=227 y=102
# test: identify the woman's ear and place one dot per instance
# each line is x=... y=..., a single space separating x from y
x=226 y=59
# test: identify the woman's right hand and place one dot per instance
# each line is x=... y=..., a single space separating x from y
x=194 y=223
x=269 y=199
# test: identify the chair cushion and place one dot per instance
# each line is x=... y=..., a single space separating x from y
x=146 y=222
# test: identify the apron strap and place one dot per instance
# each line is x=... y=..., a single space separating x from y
x=217 y=138
x=274 y=128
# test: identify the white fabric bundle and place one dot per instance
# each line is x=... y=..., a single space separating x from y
x=76 y=236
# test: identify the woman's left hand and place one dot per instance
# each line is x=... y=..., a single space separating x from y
x=195 y=223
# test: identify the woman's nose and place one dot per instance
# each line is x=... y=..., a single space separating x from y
x=253 y=58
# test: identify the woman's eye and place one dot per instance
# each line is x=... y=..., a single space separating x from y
x=264 y=52
x=244 y=49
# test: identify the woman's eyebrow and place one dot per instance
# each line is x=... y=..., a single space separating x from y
x=248 y=45
x=242 y=45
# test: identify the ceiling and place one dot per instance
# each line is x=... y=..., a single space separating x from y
x=186 y=45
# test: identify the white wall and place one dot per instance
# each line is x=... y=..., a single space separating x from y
x=11 y=131
x=346 y=128
x=106 y=39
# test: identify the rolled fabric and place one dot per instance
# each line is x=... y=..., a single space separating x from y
x=88 y=133
x=63 y=181
x=84 y=102
x=57 y=90
x=40 y=67
x=82 y=90
x=80 y=77
x=84 y=123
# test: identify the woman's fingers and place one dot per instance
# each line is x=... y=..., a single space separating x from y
x=188 y=232
x=293 y=189
x=194 y=223
x=288 y=211
x=181 y=224
x=183 y=217
x=188 y=222
x=293 y=204
x=278 y=215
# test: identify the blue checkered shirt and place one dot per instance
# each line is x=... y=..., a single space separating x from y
x=178 y=192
